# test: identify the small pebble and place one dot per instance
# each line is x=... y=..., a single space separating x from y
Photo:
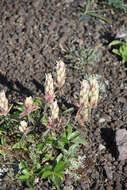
x=101 y=120
x=68 y=187
x=101 y=147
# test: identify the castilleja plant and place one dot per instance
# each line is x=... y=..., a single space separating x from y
x=54 y=115
x=3 y=104
x=83 y=111
x=89 y=95
x=54 y=110
x=61 y=74
x=84 y=93
x=49 y=89
x=29 y=107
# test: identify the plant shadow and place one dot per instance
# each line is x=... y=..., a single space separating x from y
x=108 y=135
x=14 y=87
x=38 y=86
x=108 y=37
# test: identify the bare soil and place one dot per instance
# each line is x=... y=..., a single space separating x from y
x=34 y=34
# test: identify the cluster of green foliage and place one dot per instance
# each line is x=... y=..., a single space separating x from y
x=42 y=153
x=82 y=57
x=118 y=4
x=120 y=49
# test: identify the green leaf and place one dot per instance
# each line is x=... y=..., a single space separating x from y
x=59 y=157
x=60 y=146
x=47 y=174
x=73 y=135
x=23 y=164
x=56 y=180
x=99 y=17
x=72 y=150
x=123 y=52
x=60 y=166
x=23 y=177
x=64 y=138
x=38 y=166
x=116 y=51
x=69 y=131
x=30 y=138
x=44 y=120
x=26 y=171
x=79 y=140
x=3 y=153
x=20 y=145
x=115 y=42
x=47 y=171
x=3 y=140
x=87 y=6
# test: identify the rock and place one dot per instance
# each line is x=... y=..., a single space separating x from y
x=68 y=187
x=101 y=120
x=121 y=142
x=85 y=186
x=109 y=172
x=3 y=171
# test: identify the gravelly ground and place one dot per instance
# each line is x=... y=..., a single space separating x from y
x=36 y=33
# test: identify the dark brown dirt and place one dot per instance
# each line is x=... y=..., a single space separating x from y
x=36 y=33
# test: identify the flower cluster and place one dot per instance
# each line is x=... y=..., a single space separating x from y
x=84 y=93
x=4 y=109
x=61 y=73
x=29 y=107
x=49 y=89
x=88 y=99
x=94 y=92
x=89 y=95
x=54 y=110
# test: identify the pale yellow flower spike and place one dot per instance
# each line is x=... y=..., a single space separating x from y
x=84 y=93
x=3 y=104
x=61 y=73
x=94 y=92
x=54 y=110
x=49 y=88
x=29 y=107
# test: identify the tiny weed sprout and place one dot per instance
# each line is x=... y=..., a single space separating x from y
x=61 y=74
x=120 y=49
x=88 y=14
x=49 y=88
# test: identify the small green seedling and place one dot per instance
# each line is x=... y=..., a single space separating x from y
x=120 y=49
x=88 y=14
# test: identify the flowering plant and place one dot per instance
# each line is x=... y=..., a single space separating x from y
x=29 y=107
x=4 y=109
x=49 y=88
x=61 y=74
